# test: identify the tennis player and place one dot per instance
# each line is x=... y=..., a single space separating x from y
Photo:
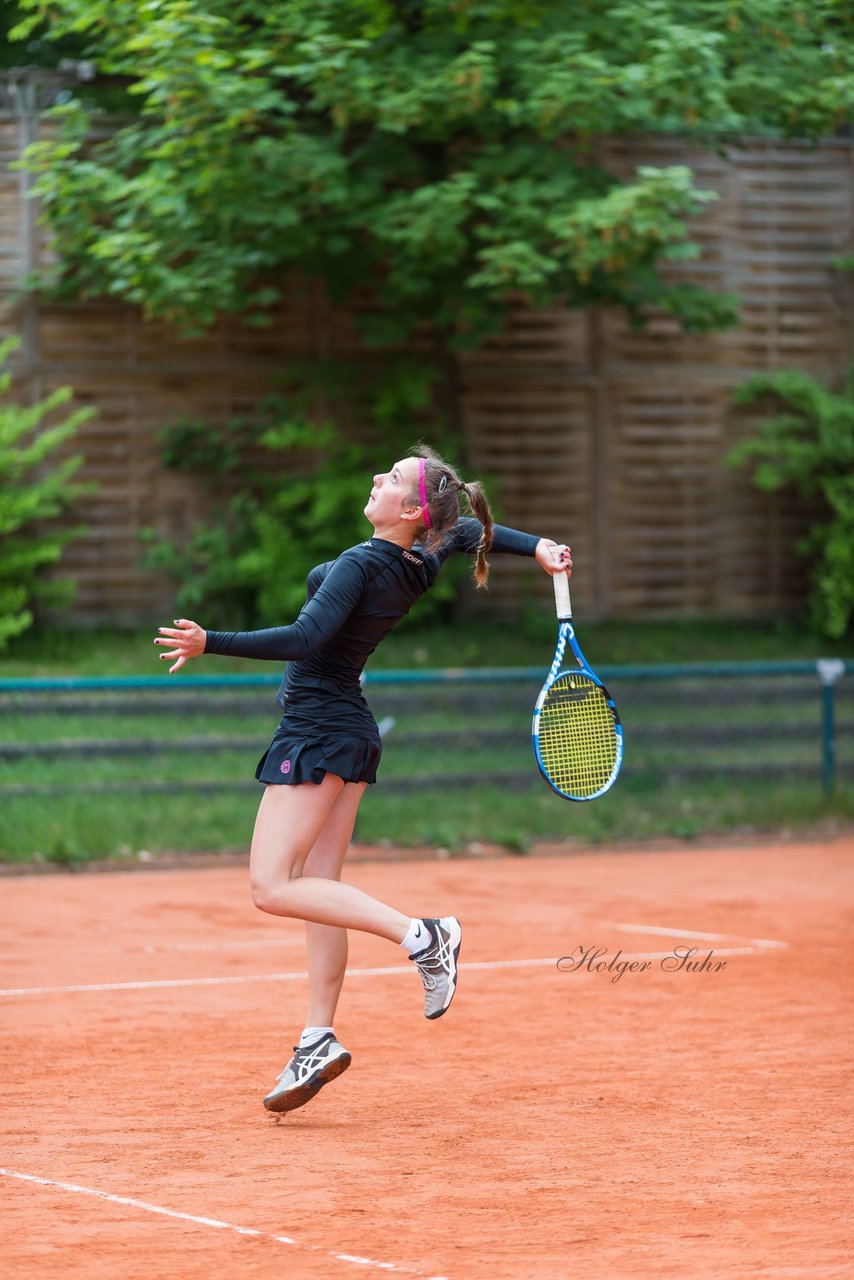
x=327 y=747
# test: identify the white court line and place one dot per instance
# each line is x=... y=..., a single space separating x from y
x=300 y=941
x=144 y=1205
x=690 y=933
x=238 y=979
x=668 y=955
x=221 y=946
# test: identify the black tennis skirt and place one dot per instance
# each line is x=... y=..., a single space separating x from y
x=303 y=753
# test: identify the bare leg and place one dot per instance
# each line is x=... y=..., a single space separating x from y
x=326 y=944
x=307 y=828
x=289 y=824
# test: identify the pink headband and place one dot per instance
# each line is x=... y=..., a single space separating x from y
x=422 y=489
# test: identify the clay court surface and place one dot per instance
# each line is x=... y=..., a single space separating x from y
x=554 y=1124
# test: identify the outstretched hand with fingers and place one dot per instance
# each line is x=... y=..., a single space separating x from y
x=188 y=641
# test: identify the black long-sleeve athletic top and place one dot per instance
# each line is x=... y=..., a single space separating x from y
x=352 y=603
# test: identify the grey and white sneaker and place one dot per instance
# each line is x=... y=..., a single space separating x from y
x=437 y=964
x=307 y=1072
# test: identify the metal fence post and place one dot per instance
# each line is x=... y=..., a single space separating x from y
x=829 y=671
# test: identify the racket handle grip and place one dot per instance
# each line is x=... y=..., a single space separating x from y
x=562 y=600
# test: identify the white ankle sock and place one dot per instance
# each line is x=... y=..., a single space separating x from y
x=312 y=1034
x=418 y=937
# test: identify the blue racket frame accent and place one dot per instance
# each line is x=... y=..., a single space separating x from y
x=566 y=635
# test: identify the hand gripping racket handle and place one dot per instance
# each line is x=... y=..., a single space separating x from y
x=562 y=600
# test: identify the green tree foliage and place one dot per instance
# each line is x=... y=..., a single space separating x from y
x=30 y=494
x=36 y=50
x=440 y=158
x=443 y=155
x=810 y=448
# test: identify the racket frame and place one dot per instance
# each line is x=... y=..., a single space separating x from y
x=566 y=635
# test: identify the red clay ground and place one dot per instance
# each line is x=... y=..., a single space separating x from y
x=552 y=1125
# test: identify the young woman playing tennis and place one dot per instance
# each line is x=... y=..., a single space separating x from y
x=327 y=746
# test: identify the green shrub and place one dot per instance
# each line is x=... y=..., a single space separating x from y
x=811 y=449
x=29 y=495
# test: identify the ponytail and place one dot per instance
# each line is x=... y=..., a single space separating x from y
x=438 y=496
x=480 y=509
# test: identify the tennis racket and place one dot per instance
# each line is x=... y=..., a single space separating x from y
x=577 y=735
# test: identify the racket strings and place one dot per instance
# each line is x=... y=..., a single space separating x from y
x=577 y=736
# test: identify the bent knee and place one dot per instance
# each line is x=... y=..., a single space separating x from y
x=270 y=893
x=261 y=895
